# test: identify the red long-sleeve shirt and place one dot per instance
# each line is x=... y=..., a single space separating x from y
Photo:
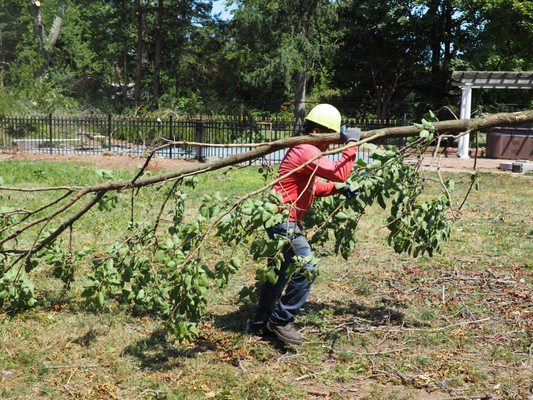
x=300 y=188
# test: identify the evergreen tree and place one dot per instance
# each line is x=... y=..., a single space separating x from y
x=287 y=44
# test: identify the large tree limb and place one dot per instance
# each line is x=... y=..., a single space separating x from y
x=53 y=35
x=444 y=127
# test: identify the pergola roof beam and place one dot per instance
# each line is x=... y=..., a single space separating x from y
x=493 y=79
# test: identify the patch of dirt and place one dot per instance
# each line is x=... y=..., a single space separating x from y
x=455 y=164
x=451 y=163
x=363 y=388
x=105 y=160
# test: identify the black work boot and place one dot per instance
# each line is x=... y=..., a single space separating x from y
x=258 y=328
x=286 y=333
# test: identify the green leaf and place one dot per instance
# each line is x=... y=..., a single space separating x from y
x=106 y=174
x=450 y=184
x=272 y=276
x=88 y=292
x=375 y=164
x=369 y=146
x=31 y=302
x=430 y=116
x=236 y=263
x=100 y=299
x=247 y=208
x=381 y=201
x=354 y=186
x=341 y=216
x=427 y=125
x=30 y=265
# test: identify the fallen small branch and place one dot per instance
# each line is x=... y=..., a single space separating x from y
x=442 y=328
x=378 y=353
x=480 y=397
x=71 y=366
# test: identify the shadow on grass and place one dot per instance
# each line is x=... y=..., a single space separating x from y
x=156 y=353
x=387 y=314
x=366 y=315
x=235 y=321
x=87 y=339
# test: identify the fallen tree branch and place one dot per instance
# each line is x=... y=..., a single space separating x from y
x=378 y=353
x=177 y=271
x=442 y=328
x=444 y=127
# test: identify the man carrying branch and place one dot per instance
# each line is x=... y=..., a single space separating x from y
x=277 y=308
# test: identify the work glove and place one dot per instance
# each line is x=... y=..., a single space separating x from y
x=350 y=134
x=348 y=192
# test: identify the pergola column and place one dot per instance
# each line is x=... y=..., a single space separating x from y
x=463 y=146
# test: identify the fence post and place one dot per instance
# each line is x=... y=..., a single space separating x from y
x=109 y=132
x=251 y=137
x=403 y=122
x=199 y=139
x=50 y=130
x=170 y=137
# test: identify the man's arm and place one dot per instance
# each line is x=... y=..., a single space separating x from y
x=323 y=189
x=334 y=171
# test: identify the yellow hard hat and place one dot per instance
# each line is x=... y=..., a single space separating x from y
x=325 y=115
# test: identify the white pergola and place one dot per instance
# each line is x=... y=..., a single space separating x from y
x=468 y=80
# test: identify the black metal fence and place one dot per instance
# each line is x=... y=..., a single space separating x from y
x=91 y=135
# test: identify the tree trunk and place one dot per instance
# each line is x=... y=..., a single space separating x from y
x=46 y=42
x=53 y=35
x=157 y=50
x=138 y=55
x=447 y=37
x=301 y=76
x=299 y=107
x=38 y=27
x=436 y=37
x=125 y=79
x=125 y=69
x=383 y=92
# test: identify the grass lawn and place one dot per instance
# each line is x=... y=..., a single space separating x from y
x=378 y=326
